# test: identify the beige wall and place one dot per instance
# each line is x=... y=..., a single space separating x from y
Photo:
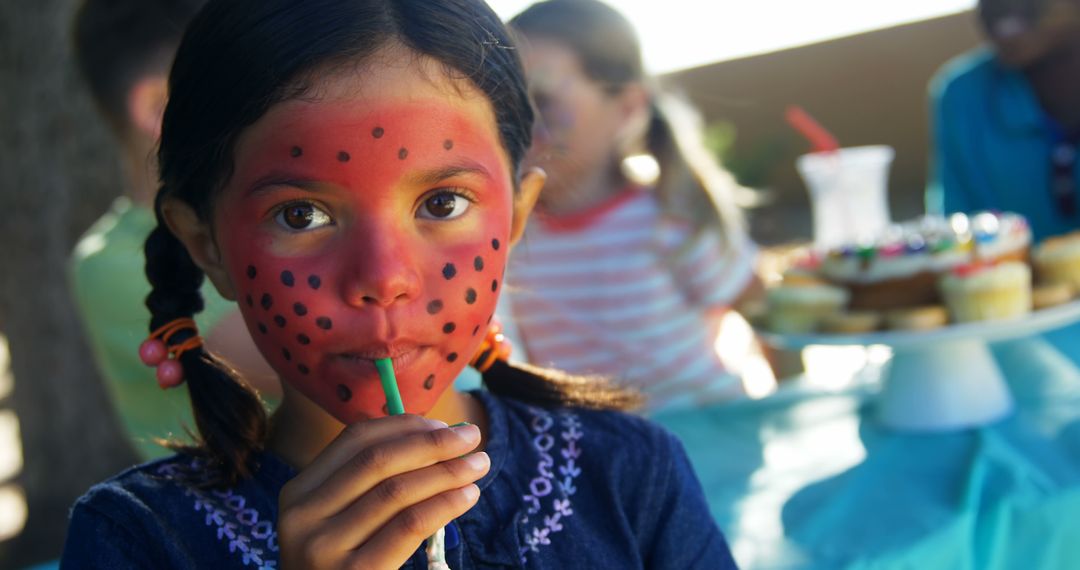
x=867 y=89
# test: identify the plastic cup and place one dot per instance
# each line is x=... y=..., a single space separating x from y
x=848 y=193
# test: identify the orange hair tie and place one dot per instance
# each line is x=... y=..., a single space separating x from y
x=494 y=347
x=155 y=351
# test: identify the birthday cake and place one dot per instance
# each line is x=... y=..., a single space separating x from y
x=925 y=273
x=903 y=266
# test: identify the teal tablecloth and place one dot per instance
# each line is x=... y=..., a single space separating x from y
x=808 y=479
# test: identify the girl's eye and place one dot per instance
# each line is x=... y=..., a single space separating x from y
x=444 y=205
x=302 y=216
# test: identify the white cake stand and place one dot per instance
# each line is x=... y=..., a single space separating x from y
x=945 y=378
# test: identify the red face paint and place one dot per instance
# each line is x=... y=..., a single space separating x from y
x=366 y=226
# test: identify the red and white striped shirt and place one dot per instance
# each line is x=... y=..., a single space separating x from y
x=626 y=292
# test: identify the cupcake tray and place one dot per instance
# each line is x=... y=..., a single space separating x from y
x=944 y=378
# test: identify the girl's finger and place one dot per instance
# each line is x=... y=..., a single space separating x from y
x=374 y=464
x=363 y=519
x=397 y=540
x=346 y=445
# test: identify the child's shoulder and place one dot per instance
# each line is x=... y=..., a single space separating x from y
x=607 y=434
x=134 y=497
x=596 y=488
x=167 y=510
x=151 y=477
x=161 y=483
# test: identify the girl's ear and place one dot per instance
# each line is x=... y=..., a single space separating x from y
x=528 y=192
x=146 y=103
x=633 y=105
x=198 y=239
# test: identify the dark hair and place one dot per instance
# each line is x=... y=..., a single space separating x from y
x=117 y=41
x=692 y=184
x=239 y=58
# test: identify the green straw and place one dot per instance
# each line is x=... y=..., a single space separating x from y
x=436 y=549
x=389 y=386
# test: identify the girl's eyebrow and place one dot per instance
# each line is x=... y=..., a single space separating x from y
x=280 y=179
x=437 y=175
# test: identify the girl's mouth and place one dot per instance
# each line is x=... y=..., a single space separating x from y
x=363 y=360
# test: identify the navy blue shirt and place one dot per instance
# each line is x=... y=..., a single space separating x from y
x=568 y=488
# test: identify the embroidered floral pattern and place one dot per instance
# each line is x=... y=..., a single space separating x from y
x=238 y=526
x=549 y=501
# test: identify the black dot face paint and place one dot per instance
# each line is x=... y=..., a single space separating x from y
x=451 y=357
x=263 y=329
x=449 y=271
x=296 y=151
x=494 y=285
x=402 y=153
x=287 y=278
x=303 y=369
x=448 y=144
x=303 y=339
x=299 y=309
x=377 y=132
x=324 y=323
x=285 y=352
x=429 y=382
x=266 y=301
x=279 y=320
x=478 y=263
x=434 y=307
x=448 y=328
x=314 y=281
x=251 y=272
x=470 y=296
x=344 y=393
x=495 y=244
x=343 y=156
x=247 y=299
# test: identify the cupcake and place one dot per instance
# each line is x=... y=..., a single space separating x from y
x=799 y=309
x=1057 y=260
x=851 y=323
x=1050 y=295
x=979 y=292
x=923 y=318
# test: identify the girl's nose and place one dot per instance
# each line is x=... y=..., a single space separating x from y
x=380 y=273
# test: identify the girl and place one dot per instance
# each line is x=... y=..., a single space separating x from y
x=617 y=278
x=347 y=170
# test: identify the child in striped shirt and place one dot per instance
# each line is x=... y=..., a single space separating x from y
x=617 y=278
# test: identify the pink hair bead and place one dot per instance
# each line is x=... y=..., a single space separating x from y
x=169 y=374
x=153 y=352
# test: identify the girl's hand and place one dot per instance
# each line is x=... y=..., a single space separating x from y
x=377 y=491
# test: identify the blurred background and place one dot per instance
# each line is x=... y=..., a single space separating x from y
x=860 y=67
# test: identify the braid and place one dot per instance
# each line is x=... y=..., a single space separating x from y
x=230 y=418
x=548 y=387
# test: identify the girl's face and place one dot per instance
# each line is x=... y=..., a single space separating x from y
x=371 y=220
x=578 y=129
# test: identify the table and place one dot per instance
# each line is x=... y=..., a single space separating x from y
x=807 y=478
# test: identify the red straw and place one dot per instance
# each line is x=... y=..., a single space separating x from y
x=820 y=139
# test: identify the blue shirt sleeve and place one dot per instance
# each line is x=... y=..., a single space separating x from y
x=684 y=533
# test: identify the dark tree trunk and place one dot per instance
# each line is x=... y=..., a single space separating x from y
x=58 y=171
